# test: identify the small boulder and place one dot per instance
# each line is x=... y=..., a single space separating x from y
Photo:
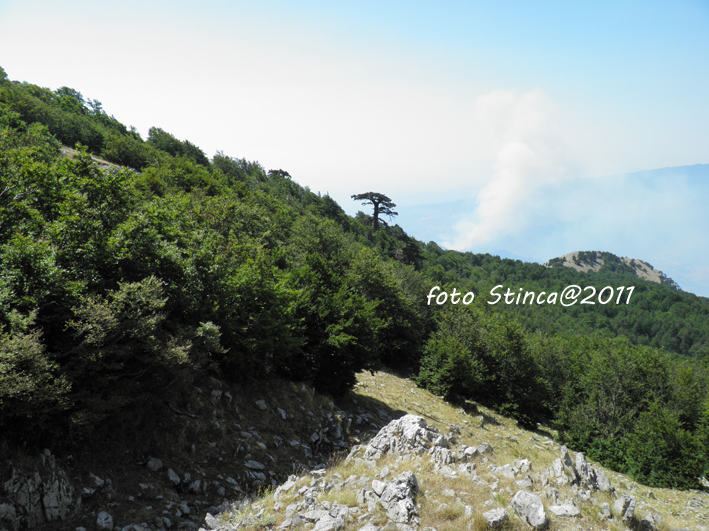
x=485 y=448
x=496 y=518
x=530 y=508
x=624 y=509
x=566 y=509
x=651 y=522
x=254 y=465
x=173 y=477
x=154 y=464
x=104 y=521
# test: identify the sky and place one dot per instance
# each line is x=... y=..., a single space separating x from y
x=428 y=102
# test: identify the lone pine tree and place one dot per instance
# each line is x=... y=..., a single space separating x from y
x=383 y=205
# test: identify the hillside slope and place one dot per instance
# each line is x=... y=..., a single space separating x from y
x=469 y=482
x=212 y=458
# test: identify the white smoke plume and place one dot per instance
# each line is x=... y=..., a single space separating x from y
x=521 y=137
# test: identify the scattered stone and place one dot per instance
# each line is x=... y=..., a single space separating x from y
x=154 y=464
x=566 y=509
x=485 y=449
x=523 y=465
x=651 y=522
x=470 y=452
x=370 y=527
x=104 y=521
x=602 y=481
x=97 y=481
x=261 y=404
x=505 y=471
x=173 y=477
x=496 y=518
x=530 y=508
x=378 y=487
x=407 y=435
x=624 y=508
x=254 y=465
x=398 y=498
x=8 y=517
x=194 y=486
x=606 y=511
x=525 y=483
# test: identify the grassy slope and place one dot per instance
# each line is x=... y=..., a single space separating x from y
x=679 y=508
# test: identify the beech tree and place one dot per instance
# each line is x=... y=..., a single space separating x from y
x=382 y=204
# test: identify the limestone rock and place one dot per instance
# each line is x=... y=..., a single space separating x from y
x=651 y=522
x=154 y=464
x=173 y=477
x=378 y=487
x=254 y=465
x=606 y=511
x=485 y=449
x=566 y=509
x=104 y=521
x=47 y=495
x=407 y=435
x=624 y=508
x=398 y=498
x=530 y=508
x=496 y=518
x=8 y=518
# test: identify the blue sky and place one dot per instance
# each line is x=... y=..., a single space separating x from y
x=424 y=101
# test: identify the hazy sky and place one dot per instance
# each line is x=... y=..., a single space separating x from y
x=424 y=101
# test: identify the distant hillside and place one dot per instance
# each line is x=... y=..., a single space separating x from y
x=596 y=260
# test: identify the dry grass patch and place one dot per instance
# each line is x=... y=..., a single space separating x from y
x=384 y=395
x=344 y=496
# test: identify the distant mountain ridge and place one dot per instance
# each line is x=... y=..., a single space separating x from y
x=584 y=261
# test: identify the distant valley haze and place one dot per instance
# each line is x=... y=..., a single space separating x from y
x=659 y=216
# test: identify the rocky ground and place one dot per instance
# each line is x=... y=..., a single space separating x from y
x=388 y=456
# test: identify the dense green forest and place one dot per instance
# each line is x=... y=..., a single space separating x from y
x=122 y=284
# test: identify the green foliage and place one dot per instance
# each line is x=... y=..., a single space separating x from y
x=32 y=388
x=661 y=452
x=164 y=141
x=126 y=151
x=658 y=315
x=179 y=174
x=451 y=365
x=397 y=292
x=339 y=322
x=124 y=354
x=238 y=169
x=513 y=380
